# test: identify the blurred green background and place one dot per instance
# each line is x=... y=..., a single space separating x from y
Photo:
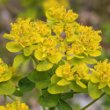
x=94 y=13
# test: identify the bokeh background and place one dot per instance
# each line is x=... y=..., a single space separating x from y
x=94 y=13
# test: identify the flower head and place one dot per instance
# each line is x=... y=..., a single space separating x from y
x=65 y=73
x=42 y=28
x=70 y=16
x=24 y=32
x=81 y=71
x=48 y=50
x=90 y=39
x=75 y=50
x=57 y=12
x=101 y=74
x=5 y=72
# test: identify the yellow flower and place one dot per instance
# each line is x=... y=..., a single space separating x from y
x=24 y=32
x=70 y=16
x=42 y=28
x=2 y=108
x=71 y=31
x=90 y=39
x=54 y=56
x=65 y=73
x=5 y=72
x=58 y=28
x=15 y=106
x=101 y=74
x=86 y=41
x=43 y=49
x=40 y=52
x=48 y=50
x=81 y=71
x=56 y=13
x=75 y=50
x=52 y=3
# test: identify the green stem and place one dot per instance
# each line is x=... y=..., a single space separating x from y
x=5 y=99
x=11 y=97
x=87 y=106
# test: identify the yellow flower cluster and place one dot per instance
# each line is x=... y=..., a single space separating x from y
x=48 y=50
x=53 y=3
x=15 y=106
x=25 y=32
x=58 y=13
x=49 y=38
x=5 y=73
x=67 y=73
x=86 y=43
x=59 y=39
x=101 y=74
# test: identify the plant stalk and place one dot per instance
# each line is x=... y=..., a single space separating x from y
x=88 y=105
x=12 y=98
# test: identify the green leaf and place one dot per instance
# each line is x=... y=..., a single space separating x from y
x=49 y=100
x=13 y=47
x=76 y=61
x=18 y=60
x=67 y=95
x=18 y=93
x=90 y=60
x=81 y=84
x=44 y=66
x=55 y=89
x=26 y=85
x=76 y=88
x=87 y=60
x=93 y=90
x=62 y=105
x=6 y=88
x=41 y=79
x=106 y=90
x=55 y=79
x=26 y=65
x=42 y=84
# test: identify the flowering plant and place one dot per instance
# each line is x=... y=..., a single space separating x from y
x=62 y=55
